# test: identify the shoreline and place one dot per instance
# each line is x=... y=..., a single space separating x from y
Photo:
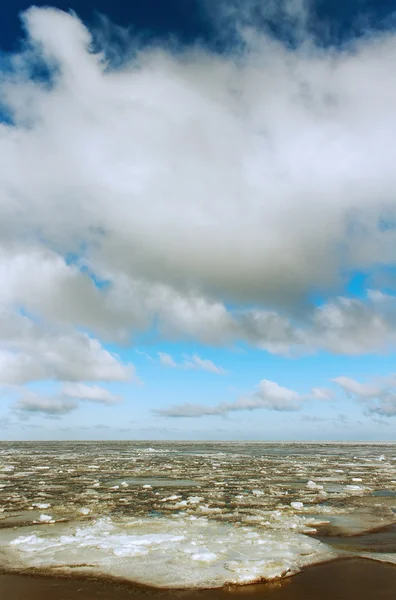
x=345 y=578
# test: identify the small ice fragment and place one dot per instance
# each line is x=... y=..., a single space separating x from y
x=297 y=505
x=41 y=506
x=147 y=486
x=84 y=511
x=45 y=518
x=115 y=487
x=356 y=479
x=257 y=493
x=194 y=499
x=173 y=497
x=311 y=485
x=353 y=487
x=382 y=457
x=125 y=484
x=204 y=556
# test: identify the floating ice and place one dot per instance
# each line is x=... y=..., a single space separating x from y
x=170 y=498
x=45 y=518
x=255 y=517
x=168 y=552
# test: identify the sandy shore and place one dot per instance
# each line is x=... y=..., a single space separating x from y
x=349 y=579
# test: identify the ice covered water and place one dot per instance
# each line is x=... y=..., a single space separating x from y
x=179 y=552
x=188 y=514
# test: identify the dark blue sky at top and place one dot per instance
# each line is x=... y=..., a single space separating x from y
x=187 y=21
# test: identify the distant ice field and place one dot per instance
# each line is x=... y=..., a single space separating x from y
x=181 y=514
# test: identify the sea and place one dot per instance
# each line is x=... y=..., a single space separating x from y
x=193 y=514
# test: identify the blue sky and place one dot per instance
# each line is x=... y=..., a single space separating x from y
x=197 y=217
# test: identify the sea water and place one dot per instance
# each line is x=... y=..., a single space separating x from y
x=182 y=514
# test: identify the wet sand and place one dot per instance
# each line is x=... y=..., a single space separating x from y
x=348 y=579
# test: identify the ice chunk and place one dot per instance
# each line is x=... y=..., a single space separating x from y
x=45 y=518
x=170 y=498
x=169 y=552
x=297 y=505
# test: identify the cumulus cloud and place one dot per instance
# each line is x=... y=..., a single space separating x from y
x=66 y=400
x=268 y=394
x=51 y=406
x=31 y=353
x=378 y=397
x=91 y=393
x=257 y=145
x=191 y=363
x=205 y=195
x=353 y=387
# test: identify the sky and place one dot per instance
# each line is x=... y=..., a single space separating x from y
x=197 y=220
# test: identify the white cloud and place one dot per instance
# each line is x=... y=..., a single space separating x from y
x=166 y=360
x=321 y=393
x=52 y=406
x=64 y=401
x=188 y=410
x=378 y=397
x=30 y=353
x=204 y=364
x=183 y=184
x=268 y=394
x=91 y=393
x=353 y=387
x=191 y=363
x=279 y=161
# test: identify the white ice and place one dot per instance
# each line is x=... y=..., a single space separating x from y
x=167 y=552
